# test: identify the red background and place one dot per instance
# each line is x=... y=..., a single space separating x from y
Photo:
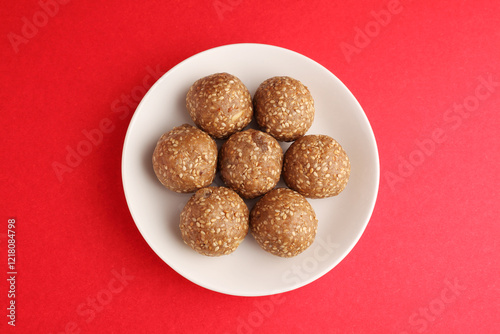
x=435 y=224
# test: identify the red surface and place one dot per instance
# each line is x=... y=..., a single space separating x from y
x=428 y=261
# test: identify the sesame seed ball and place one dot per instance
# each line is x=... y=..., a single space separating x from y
x=185 y=159
x=250 y=163
x=283 y=222
x=284 y=108
x=214 y=221
x=316 y=166
x=219 y=104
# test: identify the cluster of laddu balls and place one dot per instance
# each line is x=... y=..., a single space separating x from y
x=215 y=220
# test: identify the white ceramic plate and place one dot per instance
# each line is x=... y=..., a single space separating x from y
x=250 y=271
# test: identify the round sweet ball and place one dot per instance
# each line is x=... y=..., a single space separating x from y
x=316 y=166
x=185 y=159
x=283 y=222
x=250 y=163
x=284 y=108
x=219 y=104
x=214 y=221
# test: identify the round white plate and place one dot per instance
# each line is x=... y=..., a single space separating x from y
x=250 y=271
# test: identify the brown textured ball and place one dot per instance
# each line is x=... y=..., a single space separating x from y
x=250 y=163
x=219 y=104
x=214 y=221
x=284 y=108
x=185 y=159
x=316 y=166
x=283 y=222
